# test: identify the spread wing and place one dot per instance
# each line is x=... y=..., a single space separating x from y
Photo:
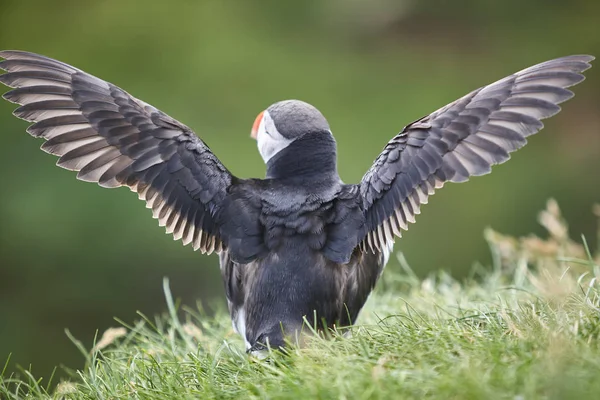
x=113 y=139
x=463 y=139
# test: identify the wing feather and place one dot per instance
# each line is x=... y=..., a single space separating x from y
x=114 y=139
x=463 y=139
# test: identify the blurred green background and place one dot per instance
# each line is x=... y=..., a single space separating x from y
x=75 y=255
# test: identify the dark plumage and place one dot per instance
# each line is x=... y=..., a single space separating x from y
x=300 y=243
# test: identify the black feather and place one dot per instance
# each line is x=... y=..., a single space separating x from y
x=465 y=138
x=114 y=139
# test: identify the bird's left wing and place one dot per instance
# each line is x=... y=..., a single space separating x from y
x=463 y=139
x=114 y=139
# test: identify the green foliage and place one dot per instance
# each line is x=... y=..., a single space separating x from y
x=528 y=329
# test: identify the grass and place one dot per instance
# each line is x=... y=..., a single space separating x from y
x=527 y=329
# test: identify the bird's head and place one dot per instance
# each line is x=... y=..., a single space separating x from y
x=283 y=123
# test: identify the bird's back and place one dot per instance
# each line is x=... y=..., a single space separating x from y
x=291 y=256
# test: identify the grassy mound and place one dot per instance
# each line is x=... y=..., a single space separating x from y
x=527 y=329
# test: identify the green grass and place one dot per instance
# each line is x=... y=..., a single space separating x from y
x=527 y=329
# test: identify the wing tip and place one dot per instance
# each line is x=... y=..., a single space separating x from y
x=579 y=57
x=585 y=57
x=585 y=61
x=8 y=54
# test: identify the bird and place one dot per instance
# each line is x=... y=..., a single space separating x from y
x=298 y=245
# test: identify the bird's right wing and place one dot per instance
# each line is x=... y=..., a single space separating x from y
x=463 y=139
x=113 y=139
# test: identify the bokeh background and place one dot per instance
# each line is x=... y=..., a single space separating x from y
x=73 y=255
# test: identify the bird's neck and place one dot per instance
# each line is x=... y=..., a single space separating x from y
x=313 y=157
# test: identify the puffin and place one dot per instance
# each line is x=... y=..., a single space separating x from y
x=298 y=247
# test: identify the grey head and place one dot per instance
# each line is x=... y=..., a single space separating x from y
x=283 y=122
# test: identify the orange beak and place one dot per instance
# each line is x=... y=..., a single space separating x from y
x=254 y=132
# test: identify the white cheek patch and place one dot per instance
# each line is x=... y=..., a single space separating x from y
x=269 y=140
